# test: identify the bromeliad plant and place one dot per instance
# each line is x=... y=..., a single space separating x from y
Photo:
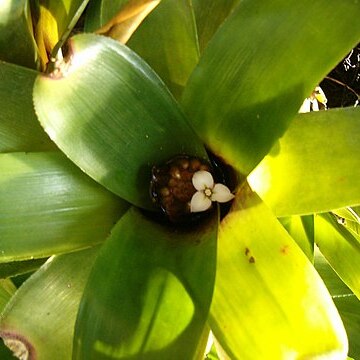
x=115 y=206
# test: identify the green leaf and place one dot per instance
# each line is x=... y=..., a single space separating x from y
x=340 y=248
x=209 y=15
x=117 y=123
x=48 y=206
x=255 y=72
x=42 y=313
x=335 y=285
x=149 y=292
x=7 y=290
x=346 y=302
x=301 y=229
x=269 y=302
x=313 y=168
x=349 y=308
x=100 y=12
x=167 y=41
x=17 y=44
x=19 y=127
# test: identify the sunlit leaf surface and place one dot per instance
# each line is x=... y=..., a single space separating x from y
x=301 y=229
x=341 y=249
x=149 y=292
x=312 y=168
x=167 y=40
x=42 y=313
x=48 y=206
x=269 y=302
x=259 y=67
x=117 y=123
x=19 y=127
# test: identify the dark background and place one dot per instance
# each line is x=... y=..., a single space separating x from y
x=342 y=85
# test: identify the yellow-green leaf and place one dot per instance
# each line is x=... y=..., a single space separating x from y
x=313 y=167
x=269 y=302
x=341 y=248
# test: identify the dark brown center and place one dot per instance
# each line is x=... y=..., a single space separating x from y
x=172 y=188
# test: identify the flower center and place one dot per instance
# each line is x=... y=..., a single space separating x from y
x=185 y=188
x=208 y=192
x=171 y=186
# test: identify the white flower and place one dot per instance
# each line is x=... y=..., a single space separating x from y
x=314 y=102
x=207 y=191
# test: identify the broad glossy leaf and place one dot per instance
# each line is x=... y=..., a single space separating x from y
x=17 y=44
x=149 y=292
x=115 y=121
x=340 y=248
x=55 y=20
x=257 y=69
x=269 y=302
x=48 y=206
x=346 y=302
x=117 y=19
x=314 y=167
x=209 y=15
x=42 y=313
x=167 y=40
x=19 y=127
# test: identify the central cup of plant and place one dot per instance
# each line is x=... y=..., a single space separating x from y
x=184 y=186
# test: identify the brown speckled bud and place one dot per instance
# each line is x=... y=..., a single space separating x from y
x=171 y=185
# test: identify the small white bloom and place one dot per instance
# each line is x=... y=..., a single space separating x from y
x=314 y=102
x=207 y=191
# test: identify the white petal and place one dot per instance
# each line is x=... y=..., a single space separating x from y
x=199 y=202
x=315 y=105
x=221 y=193
x=202 y=180
x=306 y=106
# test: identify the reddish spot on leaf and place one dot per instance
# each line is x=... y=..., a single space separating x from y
x=285 y=249
x=247 y=254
